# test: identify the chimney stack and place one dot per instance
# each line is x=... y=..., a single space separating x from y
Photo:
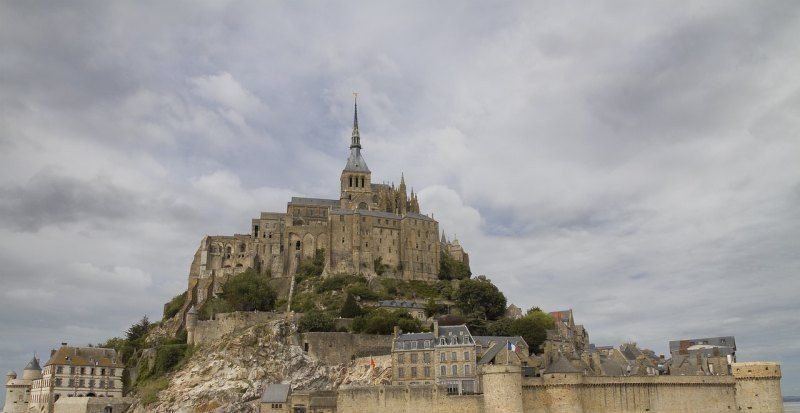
x=435 y=328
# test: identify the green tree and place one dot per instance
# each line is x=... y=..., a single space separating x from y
x=316 y=320
x=249 y=291
x=452 y=269
x=382 y=321
x=479 y=298
x=533 y=328
x=350 y=308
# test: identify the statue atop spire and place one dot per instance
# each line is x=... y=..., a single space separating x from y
x=356 y=137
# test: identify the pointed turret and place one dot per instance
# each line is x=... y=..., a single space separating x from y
x=444 y=239
x=356 y=137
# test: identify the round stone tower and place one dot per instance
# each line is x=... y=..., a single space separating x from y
x=502 y=388
x=32 y=370
x=563 y=379
x=191 y=325
x=758 y=387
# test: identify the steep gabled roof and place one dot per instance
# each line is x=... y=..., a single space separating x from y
x=276 y=393
x=562 y=365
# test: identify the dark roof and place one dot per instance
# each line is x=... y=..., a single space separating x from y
x=462 y=330
x=726 y=341
x=85 y=356
x=365 y=212
x=400 y=304
x=276 y=393
x=419 y=216
x=33 y=364
x=415 y=336
x=315 y=201
x=492 y=353
x=356 y=162
x=562 y=315
x=486 y=341
x=562 y=365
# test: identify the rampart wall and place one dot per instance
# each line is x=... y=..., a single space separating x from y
x=569 y=393
x=754 y=387
x=405 y=399
x=341 y=348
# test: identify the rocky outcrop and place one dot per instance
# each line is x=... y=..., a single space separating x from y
x=230 y=374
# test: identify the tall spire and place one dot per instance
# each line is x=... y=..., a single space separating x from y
x=356 y=138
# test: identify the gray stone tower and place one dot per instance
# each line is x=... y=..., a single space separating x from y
x=356 y=179
x=191 y=325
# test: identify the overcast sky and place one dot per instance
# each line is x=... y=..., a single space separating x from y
x=637 y=162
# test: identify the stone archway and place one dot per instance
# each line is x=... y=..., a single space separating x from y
x=309 y=246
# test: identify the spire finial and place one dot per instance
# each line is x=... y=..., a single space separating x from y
x=356 y=137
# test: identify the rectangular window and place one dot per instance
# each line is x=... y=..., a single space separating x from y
x=413 y=345
x=453 y=356
x=414 y=357
x=401 y=358
x=426 y=357
x=427 y=371
x=466 y=356
x=444 y=370
x=455 y=370
x=466 y=369
x=111 y=384
x=443 y=357
x=413 y=372
x=427 y=344
x=401 y=372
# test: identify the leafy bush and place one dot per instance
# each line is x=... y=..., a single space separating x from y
x=174 y=305
x=452 y=269
x=380 y=267
x=316 y=320
x=382 y=321
x=311 y=267
x=212 y=307
x=249 y=291
x=338 y=282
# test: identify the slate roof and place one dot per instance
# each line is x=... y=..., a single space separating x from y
x=490 y=355
x=487 y=341
x=315 y=201
x=33 y=364
x=400 y=304
x=85 y=356
x=356 y=162
x=562 y=365
x=276 y=393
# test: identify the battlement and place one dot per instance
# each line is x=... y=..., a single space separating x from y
x=757 y=370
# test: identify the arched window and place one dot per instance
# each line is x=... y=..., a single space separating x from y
x=297 y=246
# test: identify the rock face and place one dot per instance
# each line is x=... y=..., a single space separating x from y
x=229 y=375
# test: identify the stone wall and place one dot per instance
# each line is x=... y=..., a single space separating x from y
x=208 y=331
x=405 y=399
x=91 y=404
x=341 y=348
x=754 y=387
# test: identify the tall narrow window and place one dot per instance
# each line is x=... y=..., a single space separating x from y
x=351 y=181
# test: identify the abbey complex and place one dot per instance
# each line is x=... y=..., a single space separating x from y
x=373 y=242
x=370 y=225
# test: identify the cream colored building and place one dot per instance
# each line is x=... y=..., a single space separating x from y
x=18 y=390
x=77 y=372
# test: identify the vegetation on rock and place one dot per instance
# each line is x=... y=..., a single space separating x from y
x=174 y=305
x=452 y=269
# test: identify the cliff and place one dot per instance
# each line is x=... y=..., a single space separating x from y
x=229 y=374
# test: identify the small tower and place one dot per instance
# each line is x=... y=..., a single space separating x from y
x=191 y=325
x=502 y=389
x=758 y=387
x=32 y=370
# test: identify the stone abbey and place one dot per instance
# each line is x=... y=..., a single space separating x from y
x=370 y=228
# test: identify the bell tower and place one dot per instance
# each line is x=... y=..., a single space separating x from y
x=356 y=179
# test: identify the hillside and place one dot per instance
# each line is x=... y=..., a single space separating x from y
x=230 y=374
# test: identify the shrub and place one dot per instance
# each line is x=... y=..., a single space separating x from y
x=249 y=291
x=174 y=305
x=316 y=320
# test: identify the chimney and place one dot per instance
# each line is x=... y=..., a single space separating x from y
x=396 y=331
x=63 y=344
x=435 y=328
x=52 y=351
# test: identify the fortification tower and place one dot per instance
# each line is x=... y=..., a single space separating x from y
x=191 y=325
x=758 y=387
x=356 y=180
x=502 y=388
x=563 y=379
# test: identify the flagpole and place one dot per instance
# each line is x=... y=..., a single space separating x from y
x=508 y=350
